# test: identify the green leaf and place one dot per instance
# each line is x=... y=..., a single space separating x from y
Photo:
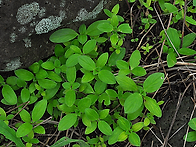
x=99 y=87
x=39 y=110
x=194 y=2
x=114 y=21
x=12 y=80
x=59 y=50
x=9 y=95
x=41 y=74
x=71 y=74
x=25 y=116
x=104 y=97
x=153 y=82
x=171 y=8
x=107 y=77
x=92 y=29
x=114 y=136
x=152 y=106
x=91 y=114
x=187 y=51
x=107 y=12
x=101 y=39
x=46 y=83
x=115 y=9
x=134 y=139
x=24 y=129
x=103 y=113
x=34 y=67
x=10 y=134
x=135 y=58
x=89 y=46
x=87 y=77
x=90 y=129
x=50 y=93
x=115 y=57
x=39 y=130
x=104 y=127
x=70 y=98
x=54 y=76
x=139 y=71
x=190 y=20
x=65 y=141
x=49 y=65
x=86 y=62
x=105 y=27
x=191 y=137
x=125 y=28
x=174 y=37
x=133 y=103
x=82 y=38
x=126 y=83
x=171 y=59
x=114 y=39
x=123 y=123
x=137 y=126
x=82 y=29
x=24 y=74
x=192 y=123
x=25 y=95
x=83 y=104
x=188 y=40
x=102 y=60
x=134 y=115
x=63 y=35
x=76 y=49
x=121 y=64
x=72 y=60
x=67 y=121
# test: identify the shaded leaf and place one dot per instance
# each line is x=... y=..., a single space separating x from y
x=63 y=35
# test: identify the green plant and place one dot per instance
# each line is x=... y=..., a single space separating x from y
x=174 y=47
x=191 y=136
x=83 y=83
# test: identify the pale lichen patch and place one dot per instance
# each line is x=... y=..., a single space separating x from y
x=22 y=29
x=13 y=37
x=27 y=42
x=13 y=64
x=48 y=24
x=26 y=13
x=84 y=15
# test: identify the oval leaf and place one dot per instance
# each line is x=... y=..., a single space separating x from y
x=47 y=84
x=153 y=82
x=152 y=106
x=9 y=95
x=134 y=139
x=134 y=60
x=107 y=77
x=91 y=114
x=105 y=27
x=24 y=129
x=104 y=127
x=102 y=60
x=89 y=46
x=24 y=74
x=133 y=103
x=192 y=123
x=123 y=123
x=126 y=83
x=86 y=62
x=187 y=51
x=39 y=110
x=63 y=35
x=67 y=122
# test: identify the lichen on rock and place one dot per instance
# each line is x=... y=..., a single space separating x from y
x=26 y=13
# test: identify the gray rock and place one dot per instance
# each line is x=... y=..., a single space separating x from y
x=26 y=26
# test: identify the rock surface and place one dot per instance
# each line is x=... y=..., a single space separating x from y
x=26 y=26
